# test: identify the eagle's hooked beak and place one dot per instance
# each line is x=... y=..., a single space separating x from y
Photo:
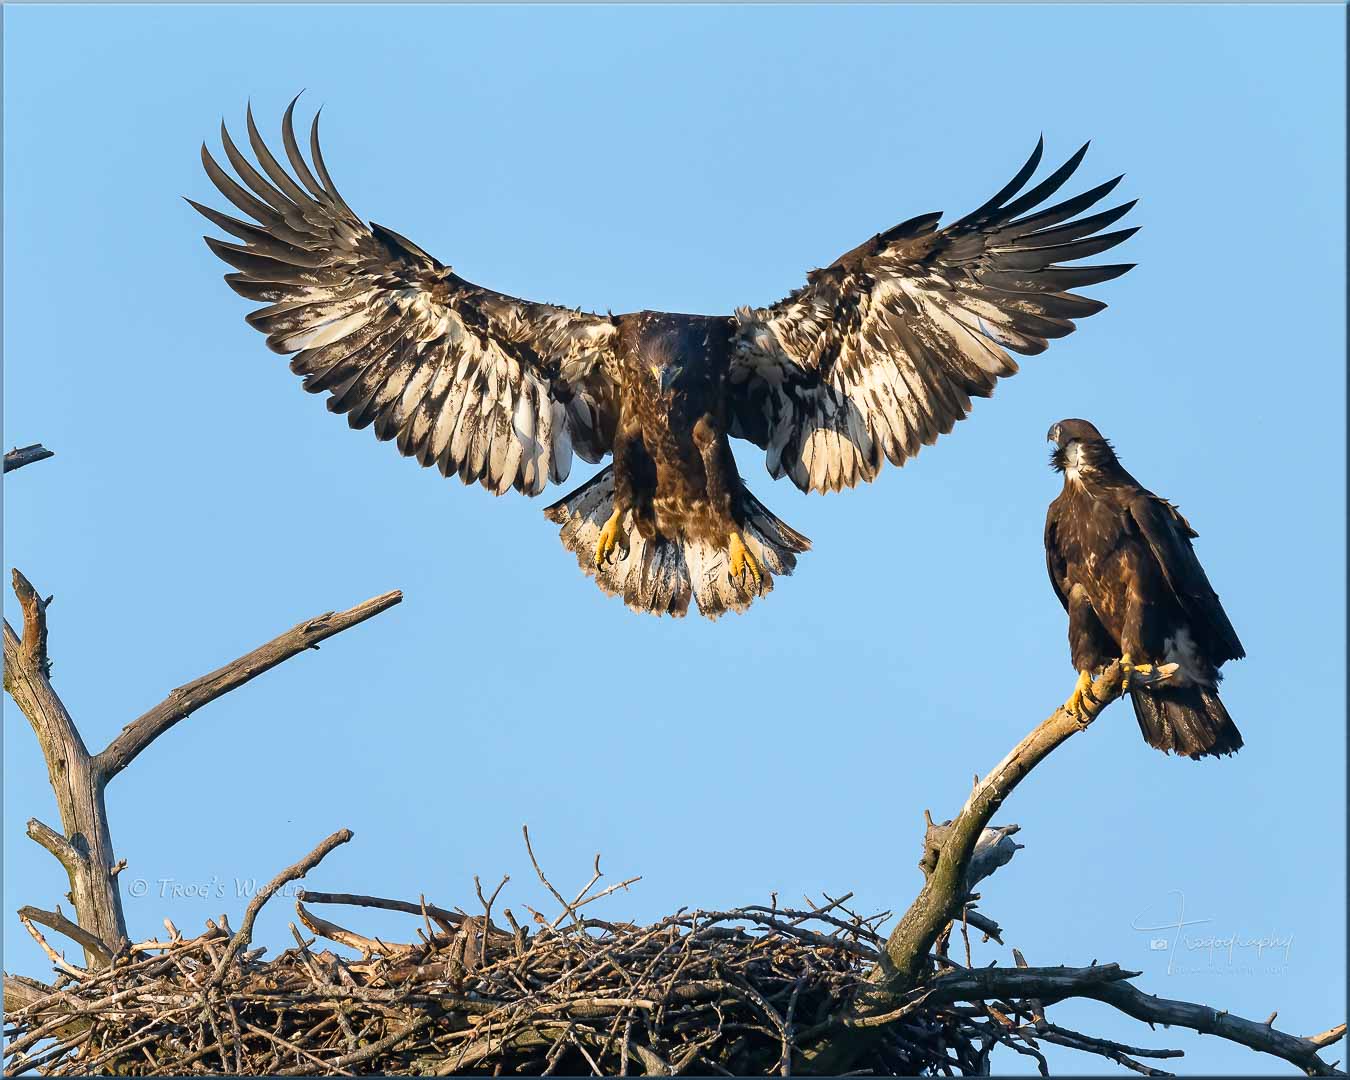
x=1057 y=455
x=669 y=374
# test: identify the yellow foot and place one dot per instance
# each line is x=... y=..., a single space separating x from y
x=1082 y=689
x=1129 y=669
x=743 y=562
x=609 y=538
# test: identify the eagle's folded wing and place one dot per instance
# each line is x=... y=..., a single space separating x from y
x=496 y=389
x=880 y=352
x=1054 y=557
x=1169 y=537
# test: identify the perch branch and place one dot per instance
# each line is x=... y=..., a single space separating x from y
x=949 y=862
x=951 y=870
x=26 y=455
x=185 y=700
x=948 y=853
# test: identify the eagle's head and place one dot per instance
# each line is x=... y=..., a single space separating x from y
x=1079 y=446
x=666 y=375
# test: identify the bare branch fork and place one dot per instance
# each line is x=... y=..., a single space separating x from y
x=84 y=846
x=959 y=853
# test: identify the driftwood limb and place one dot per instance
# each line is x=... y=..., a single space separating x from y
x=26 y=455
x=186 y=699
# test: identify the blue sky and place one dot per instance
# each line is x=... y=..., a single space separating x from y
x=688 y=160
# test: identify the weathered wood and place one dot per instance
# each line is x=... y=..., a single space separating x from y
x=949 y=849
x=26 y=455
x=58 y=922
x=186 y=699
x=87 y=852
x=78 y=779
x=725 y=983
x=245 y=932
x=1210 y=1021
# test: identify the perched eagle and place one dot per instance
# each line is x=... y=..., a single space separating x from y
x=1121 y=562
x=876 y=356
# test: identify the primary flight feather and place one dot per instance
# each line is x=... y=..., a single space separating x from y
x=877 y=355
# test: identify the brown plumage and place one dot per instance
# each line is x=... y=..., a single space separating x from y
x=877 y=355
x=1121 y=563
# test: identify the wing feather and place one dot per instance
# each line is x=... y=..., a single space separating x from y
x=498 y=390
x=1169 y=537
x=881 y=352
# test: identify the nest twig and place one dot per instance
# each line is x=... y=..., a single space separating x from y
x=756 y=990
x=700 y=991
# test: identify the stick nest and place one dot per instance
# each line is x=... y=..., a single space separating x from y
x=738 y=992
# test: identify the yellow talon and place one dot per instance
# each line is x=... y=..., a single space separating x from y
x=1081 y=690
x=1128 y=669
x=742 y=561
x=609 y=538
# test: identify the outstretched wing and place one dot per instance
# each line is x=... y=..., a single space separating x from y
x=880 y=352
x=1169 y=537
x=496 y=389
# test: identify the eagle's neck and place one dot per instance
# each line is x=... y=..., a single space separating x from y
x=1089 y=465
x=1075 y=465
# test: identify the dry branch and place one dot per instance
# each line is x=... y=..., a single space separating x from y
x=74 y=931
x=299 y=870
x=748 y=990
x=1209 y=1021
x=186 y=699
x=26 y=455
x=85 y=850
x=84 y=846
x=759 y=989
x=948 y=861
x=745 y=991
x=449 y=918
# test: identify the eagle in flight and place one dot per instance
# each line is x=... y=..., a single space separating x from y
x=1121 y=563
x=877 y=355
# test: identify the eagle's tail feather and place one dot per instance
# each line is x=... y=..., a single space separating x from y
x=662 y=576
x=1189 y=720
